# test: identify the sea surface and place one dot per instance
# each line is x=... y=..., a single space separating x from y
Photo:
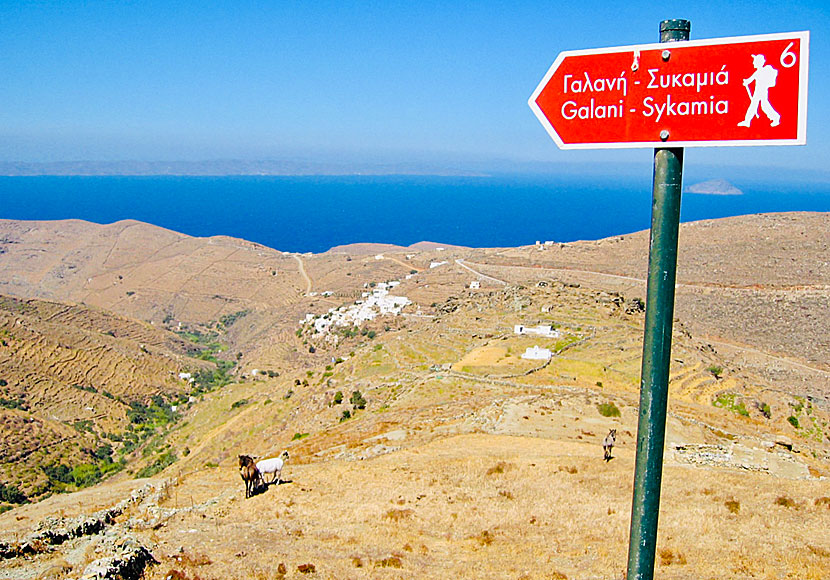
x=312 y=214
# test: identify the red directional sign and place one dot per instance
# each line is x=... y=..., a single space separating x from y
x=747 y=90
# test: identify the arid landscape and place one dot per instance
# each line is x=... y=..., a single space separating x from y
x=137 y=363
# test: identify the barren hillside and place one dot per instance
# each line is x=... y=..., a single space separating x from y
x=422 y=443
x=68 y=375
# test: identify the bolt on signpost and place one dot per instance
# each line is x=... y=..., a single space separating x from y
x=684 y=94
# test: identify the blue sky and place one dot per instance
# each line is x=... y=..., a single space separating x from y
x=392 y=82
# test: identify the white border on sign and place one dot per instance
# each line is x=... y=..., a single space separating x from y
x=801 y=133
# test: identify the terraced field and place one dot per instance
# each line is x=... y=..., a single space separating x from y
x=69 y=374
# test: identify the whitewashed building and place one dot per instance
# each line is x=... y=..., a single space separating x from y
x=544 y=330
x=537 y=353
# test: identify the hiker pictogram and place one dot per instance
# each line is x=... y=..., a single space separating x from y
x=764 y=78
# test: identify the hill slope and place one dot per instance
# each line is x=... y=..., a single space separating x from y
x=69 y=377
x=445 y=452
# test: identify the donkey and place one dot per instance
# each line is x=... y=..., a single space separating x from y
x=250 y=474
x=608 y=444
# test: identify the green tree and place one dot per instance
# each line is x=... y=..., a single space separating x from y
x=58 y=472
x=357 y=400
x=11 y=494
x=86 y=474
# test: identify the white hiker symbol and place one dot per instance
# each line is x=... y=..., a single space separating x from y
x=764 y=78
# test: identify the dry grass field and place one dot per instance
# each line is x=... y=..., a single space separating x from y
x=467 y=461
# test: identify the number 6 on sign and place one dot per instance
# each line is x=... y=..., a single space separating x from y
x=788 y=56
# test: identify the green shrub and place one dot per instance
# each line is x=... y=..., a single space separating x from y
x=346 y=415
x=239 y=403
x=228 y=319
x=716 y=370
x=298 y=436
x=58 y=472
x=727 y=401
x=357 y=400
x=104 y=452
x=10 y=494
x=608 y=410
x=18 y=403
x=162 y=461
x=338 y=397
x=82 y=426
x=793 y=421
x=86 y=474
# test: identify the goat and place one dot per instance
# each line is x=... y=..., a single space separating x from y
x=250 y=474
x=273 y=465
x=608 y=444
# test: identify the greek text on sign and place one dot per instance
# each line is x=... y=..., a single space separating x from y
x=747 y=90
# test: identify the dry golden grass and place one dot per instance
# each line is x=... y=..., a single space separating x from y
x=442 y=510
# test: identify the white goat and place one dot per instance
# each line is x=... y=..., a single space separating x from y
x=273 y=465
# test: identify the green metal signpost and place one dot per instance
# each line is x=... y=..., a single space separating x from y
x=654 y=383
x=654 y=95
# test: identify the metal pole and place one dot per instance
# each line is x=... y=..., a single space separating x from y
x=654 y=384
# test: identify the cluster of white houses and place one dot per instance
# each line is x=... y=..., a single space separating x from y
x=378 y=302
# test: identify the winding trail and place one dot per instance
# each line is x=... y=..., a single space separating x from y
x=755 y=351
x=402 y=263
x=754 y=288
x=461 y=263
x=301 y=266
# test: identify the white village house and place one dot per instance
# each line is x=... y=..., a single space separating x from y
x=544 y=330
x=537 y=353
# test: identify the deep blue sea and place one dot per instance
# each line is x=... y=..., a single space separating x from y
x=312 y=214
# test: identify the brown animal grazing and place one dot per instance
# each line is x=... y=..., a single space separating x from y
x=250 y=474
x=608 y=444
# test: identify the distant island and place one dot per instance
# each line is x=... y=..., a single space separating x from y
x=714 y=187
